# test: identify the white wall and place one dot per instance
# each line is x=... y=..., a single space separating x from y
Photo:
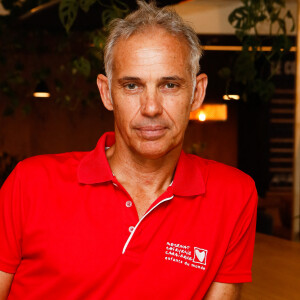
x=211 y=17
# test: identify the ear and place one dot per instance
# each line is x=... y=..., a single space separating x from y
x=200 y=90
x=103 y=86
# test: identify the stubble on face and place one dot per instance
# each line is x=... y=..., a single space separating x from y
x=151 y=90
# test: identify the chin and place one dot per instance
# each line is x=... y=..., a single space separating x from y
x=151 y=156
x=154 y=152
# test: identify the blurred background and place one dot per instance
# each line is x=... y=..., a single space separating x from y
x=52 y=51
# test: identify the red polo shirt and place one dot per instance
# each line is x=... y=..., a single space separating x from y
x=69 y=230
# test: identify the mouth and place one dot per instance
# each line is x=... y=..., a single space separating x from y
x=151 y=132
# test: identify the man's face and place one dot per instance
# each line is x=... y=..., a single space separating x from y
x=151 y=92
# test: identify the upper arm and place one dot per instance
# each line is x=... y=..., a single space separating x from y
x=10 y=223
x=223 y=291
x=237 y=261
x=5 y=283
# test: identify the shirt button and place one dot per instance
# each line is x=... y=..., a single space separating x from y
x=128 y=203
x=131 y=228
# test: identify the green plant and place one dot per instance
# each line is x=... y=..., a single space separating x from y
x=83 y=62
x=254 y=67
x=68 y=62
x=68 y=10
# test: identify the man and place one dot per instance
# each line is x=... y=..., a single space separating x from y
x=136 y=218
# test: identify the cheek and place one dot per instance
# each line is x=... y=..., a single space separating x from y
x=124 y=114
x=179 y=113
x=125 y=104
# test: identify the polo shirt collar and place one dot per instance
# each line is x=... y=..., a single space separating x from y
x=190 y=174
x=94 y=167
x=189 y=178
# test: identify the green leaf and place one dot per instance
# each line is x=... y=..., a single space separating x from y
x=99 y=39
x=260 y=18
x=68 y=10
x=290 y=16
x=274 y=16
x=121 y=6
x=225 y=73
x=281 y=24
x=282 y=42
x=240 y=35
x=86 y=4
x=107 y=16
x=269 y=6
x=264 y=88
x=104 y=4
x=82 y=65
x=117 y=9
x=278 y=2
x=244 y=68
x=239 y=19
x=113 y=4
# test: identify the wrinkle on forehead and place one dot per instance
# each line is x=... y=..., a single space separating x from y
x=146 y=56
x=150 y=49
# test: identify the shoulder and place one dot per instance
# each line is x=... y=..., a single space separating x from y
x=228 y=188
x=37 y=167
x=222 y=176
x=53 y=159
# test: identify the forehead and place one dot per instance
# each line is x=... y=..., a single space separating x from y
x=151 y=47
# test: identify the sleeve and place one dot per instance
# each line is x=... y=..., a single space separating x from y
x=10 y=223
x=237 y=262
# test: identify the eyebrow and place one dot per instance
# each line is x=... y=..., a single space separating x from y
x=129 y=78
x=175 y=78
x=167 y=78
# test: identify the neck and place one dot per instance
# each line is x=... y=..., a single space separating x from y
x=132 y=169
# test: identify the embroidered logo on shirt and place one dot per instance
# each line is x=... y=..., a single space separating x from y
x=200 y=256
x=189 y=256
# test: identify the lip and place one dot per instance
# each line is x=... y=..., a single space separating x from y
x=151 y=132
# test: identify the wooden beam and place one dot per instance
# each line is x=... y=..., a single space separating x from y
x=296 y=202
x=238 y=48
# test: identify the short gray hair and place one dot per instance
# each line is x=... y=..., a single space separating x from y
x=149 y=15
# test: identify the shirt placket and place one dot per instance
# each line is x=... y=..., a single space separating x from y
x=131 y=217
x=139 y=223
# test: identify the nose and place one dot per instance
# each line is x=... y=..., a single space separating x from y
x=151 y=105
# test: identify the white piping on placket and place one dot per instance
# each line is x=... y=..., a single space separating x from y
x=139 y=222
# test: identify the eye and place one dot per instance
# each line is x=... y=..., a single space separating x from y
x=170 y=85
x=130 y=86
